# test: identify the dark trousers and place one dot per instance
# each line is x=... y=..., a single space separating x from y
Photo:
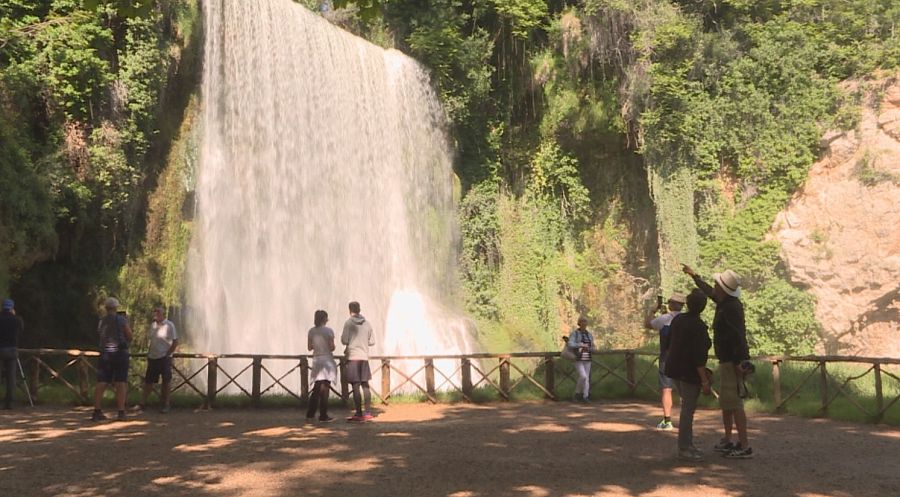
x=318 y=399
x=366 y=397
x=689 y=393
x=8 y=365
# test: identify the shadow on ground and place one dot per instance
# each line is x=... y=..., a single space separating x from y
x=523 y=449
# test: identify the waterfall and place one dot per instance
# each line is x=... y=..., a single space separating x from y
x=325 y=177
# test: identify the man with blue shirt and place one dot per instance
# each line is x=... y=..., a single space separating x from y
x=661 y=325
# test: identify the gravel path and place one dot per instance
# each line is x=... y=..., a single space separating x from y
x=523 y=449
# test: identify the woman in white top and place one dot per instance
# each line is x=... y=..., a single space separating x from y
x=320 y=340
x=582 y=344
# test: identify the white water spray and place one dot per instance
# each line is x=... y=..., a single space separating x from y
x=325 y=177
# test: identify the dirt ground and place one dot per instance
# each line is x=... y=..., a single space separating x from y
x=523 y=449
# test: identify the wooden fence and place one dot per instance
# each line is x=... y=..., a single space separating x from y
x=205 y=377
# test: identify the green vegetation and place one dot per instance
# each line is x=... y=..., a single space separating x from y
x=571 y=116
x=600 y=143
x=92 y=94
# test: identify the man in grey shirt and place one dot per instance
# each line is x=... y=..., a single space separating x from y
x=358 y=336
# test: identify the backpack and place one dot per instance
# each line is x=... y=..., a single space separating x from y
x=112 y=339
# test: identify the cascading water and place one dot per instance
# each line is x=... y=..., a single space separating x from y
x=325 y=177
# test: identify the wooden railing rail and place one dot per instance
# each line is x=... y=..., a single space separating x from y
x=204 y=375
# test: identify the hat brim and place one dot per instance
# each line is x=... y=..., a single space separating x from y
x=734 y=293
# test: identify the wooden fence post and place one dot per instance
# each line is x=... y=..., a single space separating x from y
x=429 y=376
x=504 y=377
x=776 y=382
x=466 y=370
x=345 y=386
x=84 y=380
x=385 y=380
x=304 y=381
x=630 y=372
x=550 y=377
x=879 y=394
x=823 y=385
x=257 y=374
x=212 y=381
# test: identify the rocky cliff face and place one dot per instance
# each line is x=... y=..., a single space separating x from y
x=840 y=234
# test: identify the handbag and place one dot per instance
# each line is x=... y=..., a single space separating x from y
x=567 y=353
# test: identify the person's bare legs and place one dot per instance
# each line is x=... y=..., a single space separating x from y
x=145 y=393
x=727 y=422
x=98 y=395
x=667 y=402
x=164 y=393
x=120 y=395
x=740 y=421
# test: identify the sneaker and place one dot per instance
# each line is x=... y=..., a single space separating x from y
x=120 y=416
x=724 y=446
x=367 y=416
x=326 y=419
x=98 y=415
x=356 y=419
x=689 y=455
x=739 y=453
x=665 y=425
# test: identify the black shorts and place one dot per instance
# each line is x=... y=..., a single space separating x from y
x=358 y=371
x=159 y=367
x=113 y=367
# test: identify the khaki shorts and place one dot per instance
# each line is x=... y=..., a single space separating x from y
x=728 y=388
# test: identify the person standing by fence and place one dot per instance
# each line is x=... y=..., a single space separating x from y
x=163 y=342
x=730 y=343
x=115 y=335
x=661 y=325
x=358 y=336
x=11 y=327
x=687 y=353
x=320 y=340
x=582 y=343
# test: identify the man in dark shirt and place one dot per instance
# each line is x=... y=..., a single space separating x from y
x=730 y=344
x=687 y=354
x=10 y=328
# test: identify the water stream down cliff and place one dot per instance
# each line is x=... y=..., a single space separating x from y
x=325 y=177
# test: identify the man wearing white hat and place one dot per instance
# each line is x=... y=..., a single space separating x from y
x=730 y=343
x=661 y=325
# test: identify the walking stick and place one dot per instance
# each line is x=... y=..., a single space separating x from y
x=25 y=382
